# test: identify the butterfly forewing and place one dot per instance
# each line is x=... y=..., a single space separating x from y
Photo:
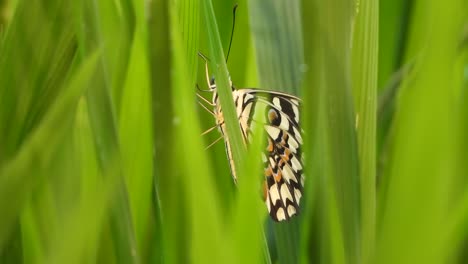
x=282 y=157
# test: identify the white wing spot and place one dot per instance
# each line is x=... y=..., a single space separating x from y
x=296 y=113
x=288 y=174
x=298 y=195
x=247 y=97
x=291 y=210
x=296 y=164
x=272 y=162
x=276 y=102
x=293 y=144
x=274 y=194
x=280 y=214
x=285 y=194
x=298 y=135
x=284 y=122
x=272 y=131
x=268 y=205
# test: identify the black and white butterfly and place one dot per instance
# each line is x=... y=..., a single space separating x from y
x=283 y=167
x=282 y=158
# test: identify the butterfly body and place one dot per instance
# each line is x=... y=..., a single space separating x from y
x=282 y=157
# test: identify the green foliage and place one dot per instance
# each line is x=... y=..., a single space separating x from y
x=101 y=158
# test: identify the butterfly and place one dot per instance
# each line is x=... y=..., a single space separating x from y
x=282 y=157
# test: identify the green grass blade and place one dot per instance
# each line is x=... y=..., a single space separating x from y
x=167 y=201
x=218 y=63
x=277 y=36
x=102 y=116
x=32 y=69
x=329 y=110
x=364 y=77
x=15 y=176
x=313 y=143
x=76 y=239
x=250 y=212
x=135 y=123
x=422 y=162
x=205 y=222
x=458 y=221
x=394 y=17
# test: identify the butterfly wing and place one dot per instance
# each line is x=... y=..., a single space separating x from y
x=282 y=158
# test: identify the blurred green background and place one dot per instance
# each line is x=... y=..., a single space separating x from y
x=101 y=158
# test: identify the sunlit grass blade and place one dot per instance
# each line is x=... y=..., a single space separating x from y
x=32 y=70
x=457 y=228
x=15 y=176
x=312 y=93
x=205 y=222
x=250 y=210
x=421 y=168
x=135 y=127
x=394 y=17
x=329 y=109
x=241 y=64
x=76 y=239
x=364 y=80
x=167 y=200
x=111 y=25
x=277 y=37
x=103 y=120
x=218 y=65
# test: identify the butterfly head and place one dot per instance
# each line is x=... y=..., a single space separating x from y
x=212 y=84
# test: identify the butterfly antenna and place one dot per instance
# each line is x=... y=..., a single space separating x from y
x=232 y=31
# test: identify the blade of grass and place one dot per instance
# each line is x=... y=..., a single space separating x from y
x=218 y=64
x=394 y=18
x=241 y=64
x=24 y=53
x=420 y=170
x=167 y=201
x=277 y=37
x=103 y=122
x=207 y=244
x=233 y=130
x=331 y=113
x=135 y=123
x=114 y=26
x=15 y=176
x=250 y=212
x=364 y=77
x=76 y=238
x=313 y=140
x=458 y=219
x=34 y=69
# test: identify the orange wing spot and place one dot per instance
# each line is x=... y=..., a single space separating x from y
x=270 y=145
x=268 y=171
x=286 y=154
x=265 y=190
x=278 y=176
x=272 y=115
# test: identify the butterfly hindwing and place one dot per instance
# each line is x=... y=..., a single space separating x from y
x=282 y=157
